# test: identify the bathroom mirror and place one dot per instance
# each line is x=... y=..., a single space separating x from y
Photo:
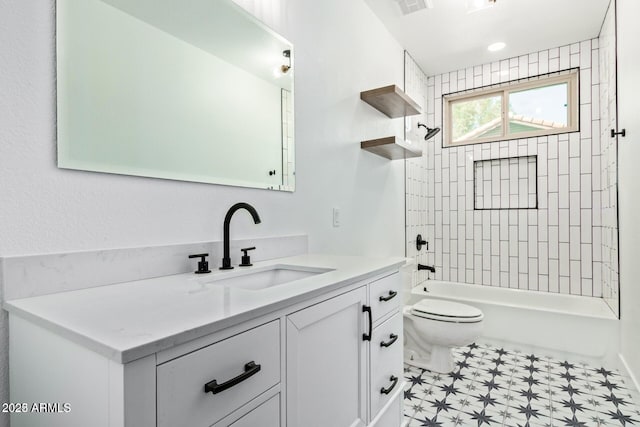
x=195 y=91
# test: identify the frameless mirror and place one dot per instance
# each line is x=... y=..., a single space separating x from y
x=195 y=91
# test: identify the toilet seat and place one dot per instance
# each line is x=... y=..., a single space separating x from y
x=446 y=311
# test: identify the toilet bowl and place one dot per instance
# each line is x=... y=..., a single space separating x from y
x=433 y=327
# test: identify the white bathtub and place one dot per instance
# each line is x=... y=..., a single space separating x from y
x=560 y=325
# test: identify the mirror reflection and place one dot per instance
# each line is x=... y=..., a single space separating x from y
x=195 y=91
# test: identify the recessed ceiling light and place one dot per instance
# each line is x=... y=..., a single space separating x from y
x=496 y=46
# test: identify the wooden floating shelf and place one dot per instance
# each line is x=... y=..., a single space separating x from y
x=392 y=101
x=391 y=148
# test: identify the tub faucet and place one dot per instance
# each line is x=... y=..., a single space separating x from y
x=426 y=267
x=226 y=260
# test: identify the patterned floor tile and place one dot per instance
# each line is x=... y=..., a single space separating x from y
x=494 y=386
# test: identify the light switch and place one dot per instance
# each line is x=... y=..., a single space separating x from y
x=336 y=217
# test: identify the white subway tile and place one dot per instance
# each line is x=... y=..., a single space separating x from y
x=486 y=277
x=586 y=229
x=553 y=209
x=533 y=274
x=564 y=285
x=574 y=48
x=543 y=62
x=574 y=208
x=554 y=283
x=585 y=194
x=563 y=225
x=523 y=254
x=504 y=256
x=574 y=243
x=563 y=259
x=543 y=283
x=543 y=230
x=575 y=278
x=585 y=54
x=575 y=60
x=523 y=281
x=543 y=257
x=563 y=191
x=586 y=261
x=585 y=87
x=523 y=66
x=513 y=272
x=565 y=58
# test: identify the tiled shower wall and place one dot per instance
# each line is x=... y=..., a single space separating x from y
x=609 y=179
x=555 y=248
x=415 y=85
x=288 y=171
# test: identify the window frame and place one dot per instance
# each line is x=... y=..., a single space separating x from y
x=570 y=77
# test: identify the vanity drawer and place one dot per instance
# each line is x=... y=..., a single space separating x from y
x=392 y=415
x=385 y=295
x=386 y=362
x=265 y=415
x=181 y=396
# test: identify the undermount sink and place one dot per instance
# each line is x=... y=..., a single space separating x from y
x=267 y=277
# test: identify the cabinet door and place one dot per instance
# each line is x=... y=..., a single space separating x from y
x=326 y=363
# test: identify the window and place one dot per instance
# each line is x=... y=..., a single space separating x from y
x=544 y=105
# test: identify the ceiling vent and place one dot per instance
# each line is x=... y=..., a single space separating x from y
x=411 y=6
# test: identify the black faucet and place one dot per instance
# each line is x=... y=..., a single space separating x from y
x=426 y=267
x=226 y=260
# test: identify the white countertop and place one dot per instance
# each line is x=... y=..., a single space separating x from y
x=127 y=321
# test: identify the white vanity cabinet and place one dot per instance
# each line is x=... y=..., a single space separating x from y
x=345 y=368
x=332 y=359
x=327 y=363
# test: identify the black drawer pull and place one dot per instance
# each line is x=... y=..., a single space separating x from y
x=393 y=338
x=367 y=309
x=391 y=387
x=250 y=369
x=391 y=295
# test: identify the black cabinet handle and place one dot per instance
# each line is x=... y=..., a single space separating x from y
x=250 y=369
x=392 y=294
x=391 y=387
x=367 y=309
x=393 y=338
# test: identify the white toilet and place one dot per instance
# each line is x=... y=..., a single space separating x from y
x=432 y=328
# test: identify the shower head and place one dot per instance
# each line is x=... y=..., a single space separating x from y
x=431 y=132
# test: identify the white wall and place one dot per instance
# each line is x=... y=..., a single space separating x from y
x=341 y=49
x=629 y=179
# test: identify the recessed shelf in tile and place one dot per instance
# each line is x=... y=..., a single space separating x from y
x=507 y=183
